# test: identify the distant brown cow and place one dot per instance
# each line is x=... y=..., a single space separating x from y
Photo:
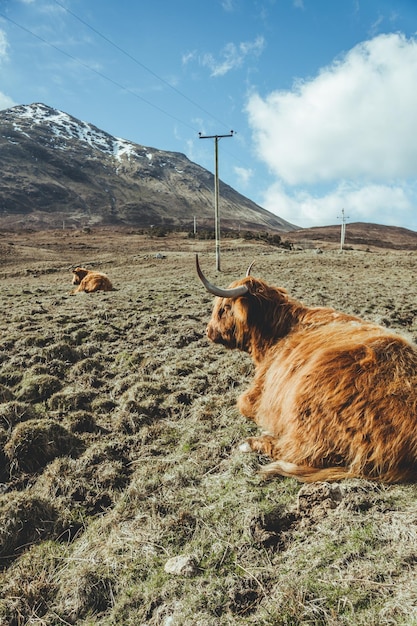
x=335 y=396
x=89 y=281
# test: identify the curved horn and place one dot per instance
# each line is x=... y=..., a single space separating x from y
x=216 y=291
x=249 y=269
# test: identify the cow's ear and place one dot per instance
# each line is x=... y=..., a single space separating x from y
x=240 y=310
x=254 y=286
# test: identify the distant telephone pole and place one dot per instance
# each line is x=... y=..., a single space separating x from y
x=343 y=230
x=216 y=191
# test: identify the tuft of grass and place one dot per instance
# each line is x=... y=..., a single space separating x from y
x=14 y=412
x=38 y=388
x=31 y=583
x=34 y=443
x=5 y=394
x=82 y=422
x=25 y=520
x=72 y=399
x=91 y=596
x=62 y=351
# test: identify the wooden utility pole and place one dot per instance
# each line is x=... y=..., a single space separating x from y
x=216 y=191
x=343 y=230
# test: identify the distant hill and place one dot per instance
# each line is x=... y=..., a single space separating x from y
x=56 y=168
x=358 y=234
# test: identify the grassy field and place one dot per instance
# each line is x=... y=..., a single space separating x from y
x=124 y=498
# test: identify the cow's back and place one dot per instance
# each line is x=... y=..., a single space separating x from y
x=342 y=390
x=95 y=281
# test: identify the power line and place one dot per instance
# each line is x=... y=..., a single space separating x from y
x=116 y=83
x=135 y=60
x=97 y=72
x=145 y=67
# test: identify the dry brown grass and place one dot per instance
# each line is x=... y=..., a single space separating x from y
x=119 y=448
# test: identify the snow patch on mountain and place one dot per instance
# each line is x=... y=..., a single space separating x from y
x=66 y=127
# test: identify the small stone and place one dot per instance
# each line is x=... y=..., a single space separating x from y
x=182 y=565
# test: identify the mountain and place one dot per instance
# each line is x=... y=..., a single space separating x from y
x=57 y=169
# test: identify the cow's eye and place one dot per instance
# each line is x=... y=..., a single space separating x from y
x=225 y=310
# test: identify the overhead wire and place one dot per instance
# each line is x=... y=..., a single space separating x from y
x=145 y=67
x=116 y=83
x=97 y=72
x=142 y=65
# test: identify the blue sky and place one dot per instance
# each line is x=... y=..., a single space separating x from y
x=321 y=94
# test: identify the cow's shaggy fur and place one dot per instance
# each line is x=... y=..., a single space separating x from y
x=335 y=396
x=89 y=281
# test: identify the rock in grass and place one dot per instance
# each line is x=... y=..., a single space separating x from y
x=182 y=565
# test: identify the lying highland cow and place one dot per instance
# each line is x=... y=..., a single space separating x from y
x=89 y=281
x=335 y=396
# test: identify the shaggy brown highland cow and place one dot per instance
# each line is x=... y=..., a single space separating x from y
x=335 y=396
x=89 y=281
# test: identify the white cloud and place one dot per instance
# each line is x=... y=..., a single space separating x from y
x=187 y=57
x=4 y=45
x=244 y=175
x=228 y=5
x=232 y=56
x=6 y=102
x=355 y=121
x=356 y=118
x=375 y=27
x=380 y=204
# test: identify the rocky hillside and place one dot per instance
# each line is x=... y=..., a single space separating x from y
x=56 y=168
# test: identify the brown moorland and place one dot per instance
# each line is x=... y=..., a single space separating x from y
x=124 y=498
